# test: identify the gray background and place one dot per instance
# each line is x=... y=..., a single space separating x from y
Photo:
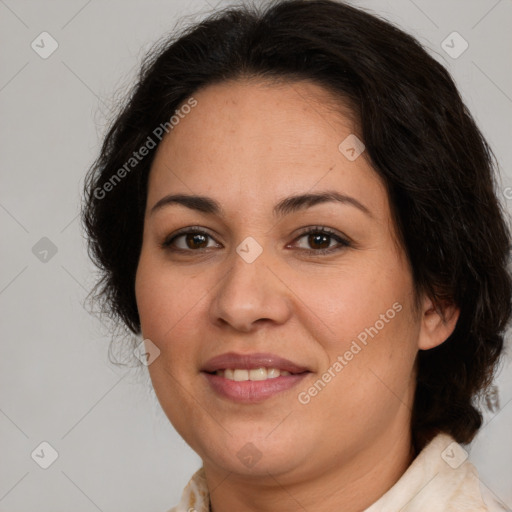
x=117 y=450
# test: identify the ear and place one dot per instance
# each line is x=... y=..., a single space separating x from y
x=436 y=324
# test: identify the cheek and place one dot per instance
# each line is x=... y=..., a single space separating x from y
x=167 y=304
x=371 y=331
x=370 y=373
x=170 y=302
x=342 y=304
x=160 y=291
x=154 y=302
x=158 y=302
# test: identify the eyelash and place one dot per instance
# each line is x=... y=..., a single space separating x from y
x=167 y=243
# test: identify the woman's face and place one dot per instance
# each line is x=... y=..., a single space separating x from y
x=254 y=282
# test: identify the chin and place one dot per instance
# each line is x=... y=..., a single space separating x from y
x=255 y=455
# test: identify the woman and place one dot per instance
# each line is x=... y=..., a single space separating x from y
x=296 y=212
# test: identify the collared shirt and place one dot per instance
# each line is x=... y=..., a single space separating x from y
x=439 y=479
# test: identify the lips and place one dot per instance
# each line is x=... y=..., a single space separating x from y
x=252 y=391
x=231 y=360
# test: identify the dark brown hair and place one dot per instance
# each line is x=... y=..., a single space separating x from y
x=419 y=137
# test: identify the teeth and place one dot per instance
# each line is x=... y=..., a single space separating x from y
x=239 y=374
x=258 y=374
x=272 y=373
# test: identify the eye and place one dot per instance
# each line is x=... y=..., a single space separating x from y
x=195 y=239
x=190 y=239
x=320 y=239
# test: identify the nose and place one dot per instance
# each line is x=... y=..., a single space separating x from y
x=250 y=294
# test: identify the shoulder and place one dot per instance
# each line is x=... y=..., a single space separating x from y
x=441 y=479
x=490 y=501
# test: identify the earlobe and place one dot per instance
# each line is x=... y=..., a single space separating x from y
x=437 y=324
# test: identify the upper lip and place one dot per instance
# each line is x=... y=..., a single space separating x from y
x=250 y=361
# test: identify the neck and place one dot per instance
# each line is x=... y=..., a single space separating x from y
x=350 y=487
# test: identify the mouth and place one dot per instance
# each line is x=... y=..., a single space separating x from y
x=256 y=361
x=250 y=378
x=254 y=374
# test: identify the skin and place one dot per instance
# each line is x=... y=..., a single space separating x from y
x=249 y=144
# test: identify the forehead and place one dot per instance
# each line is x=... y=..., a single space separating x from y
x=261 y=139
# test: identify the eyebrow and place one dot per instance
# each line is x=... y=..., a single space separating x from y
x=286 y=206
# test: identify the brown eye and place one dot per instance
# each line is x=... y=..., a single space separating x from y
x=191 y=240
x=319 y=241
x=196 y=241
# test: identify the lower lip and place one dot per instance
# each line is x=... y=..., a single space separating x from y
x=250 y=391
